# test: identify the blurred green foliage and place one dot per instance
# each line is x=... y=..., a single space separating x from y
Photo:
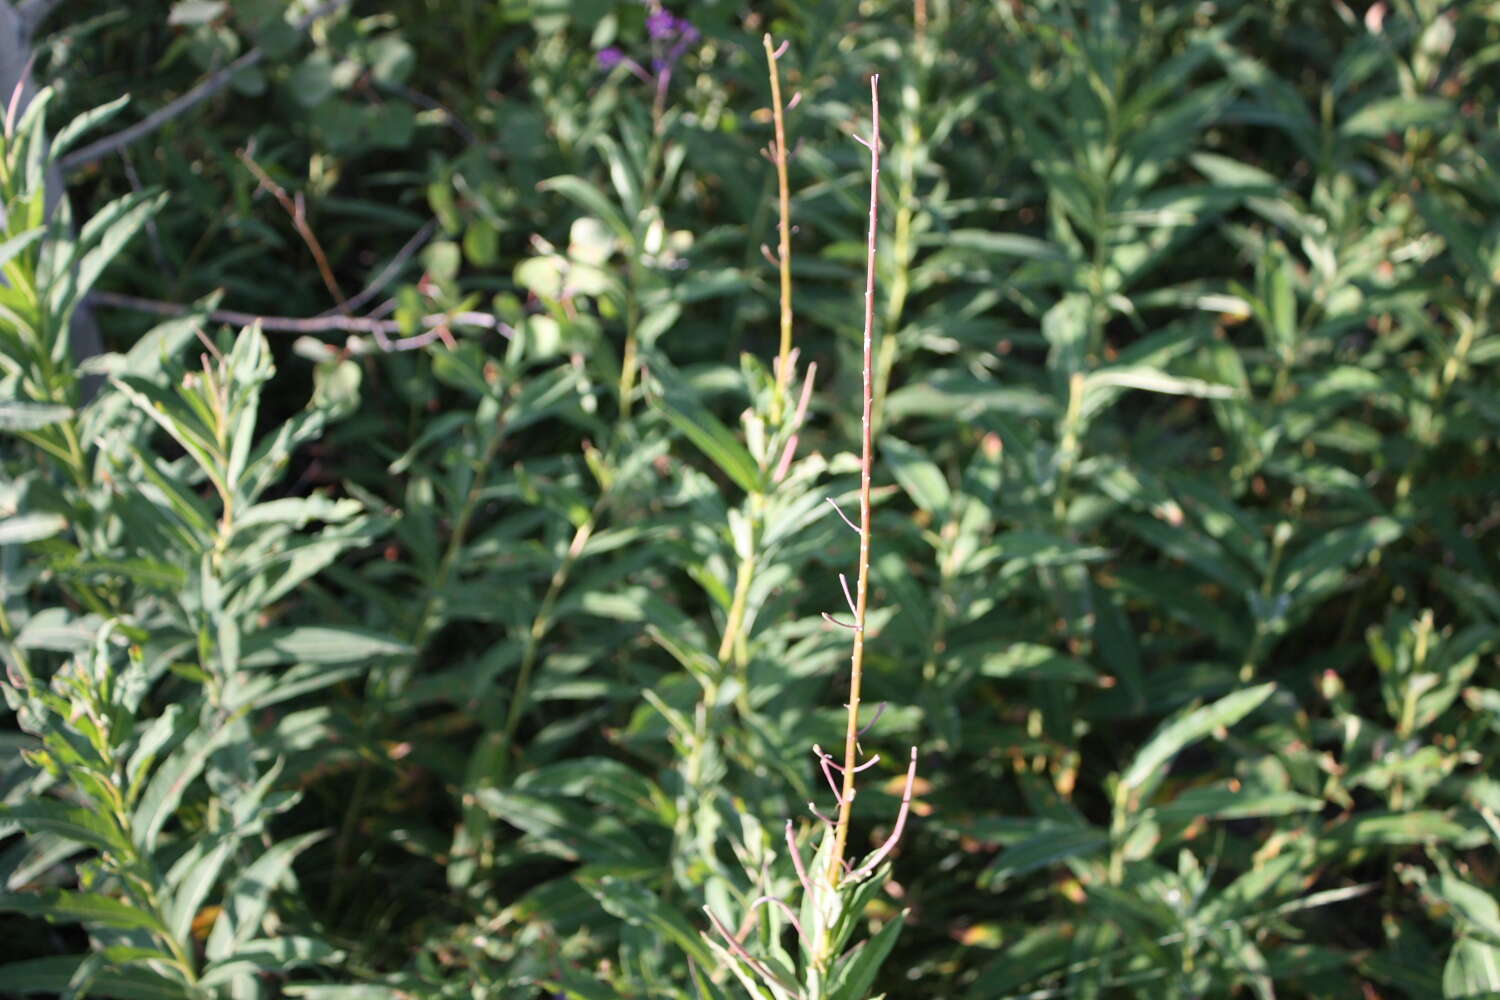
x=478 y=668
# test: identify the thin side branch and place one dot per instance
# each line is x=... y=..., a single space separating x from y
x=388 y=273
x=380 y=329
x=851 y=626
x=739 y=950
x=844 y=582
x=796 y=853
x=828 y=758
x=208 y=88
x=13 y=106
x=895 y=837
x=842 y=516
x=790 y=451
x=826 y=762
x=296 y=209
x=785 y=909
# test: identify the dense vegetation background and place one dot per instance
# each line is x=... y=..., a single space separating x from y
x=468 y=640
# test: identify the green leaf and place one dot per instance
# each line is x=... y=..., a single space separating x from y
x=1225 y=802
x=83 y=907
x=1420 y=826
x=194 y=876
x=591 y=200
x=712 y=438
x=30 y=528
x=56 y=974
x=105 y=234
x=855 y=973
x=360 y=992
x=1476 y=909
x=269 y=955
x=962 y=397
x=563 y=828
x=265 y=690
x=1004 y=244
x=93 y=118
x=1472 y=971
x=574 y=986
x=1053 y=844
x=52 y=974
x=637 y=905
x=1392 y=114
x=320 y=644
x=1151 y=380
x=193 y=13
x=171 y=780
x=922 y=480
x=58 y=630
x=248 y=896
x=1066 y=327
x=1025 y=660
x=85 y=826
x=9 y=249
x=608 y=782
x=1323 y=565
x=22 y=415
x=1189 y=727
x=1023 y=550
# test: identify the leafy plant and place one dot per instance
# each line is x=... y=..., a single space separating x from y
x=427 y=593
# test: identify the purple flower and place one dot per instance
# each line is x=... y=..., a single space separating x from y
x=664 y=26
x=671 y=37
x=661 y=24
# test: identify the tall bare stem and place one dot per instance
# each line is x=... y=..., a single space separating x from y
x=784 y=238
x=867 y=461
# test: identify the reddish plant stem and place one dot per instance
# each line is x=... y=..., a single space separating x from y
x=867 y=461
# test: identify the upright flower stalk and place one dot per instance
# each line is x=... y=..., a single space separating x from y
x=785 y=419
x=835 y=891
x=783 y=258
x=866 y=463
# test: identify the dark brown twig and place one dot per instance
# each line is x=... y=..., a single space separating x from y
x=388 y=273
x=296 y=209
x=378 y=328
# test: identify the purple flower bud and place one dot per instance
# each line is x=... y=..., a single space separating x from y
x=661 y=25
x=611 y=57
x=664 y=26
